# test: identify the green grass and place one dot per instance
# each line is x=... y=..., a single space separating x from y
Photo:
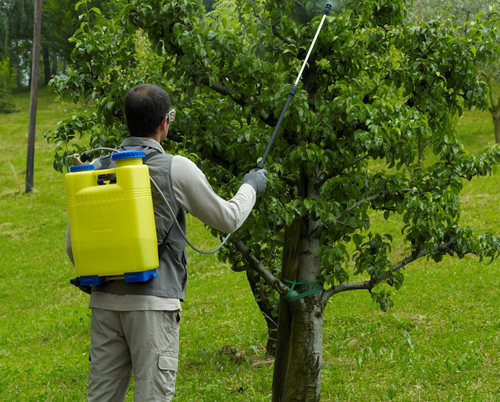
x=441 y=341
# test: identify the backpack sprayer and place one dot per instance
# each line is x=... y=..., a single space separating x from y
x=113 y=232
x=112 y=226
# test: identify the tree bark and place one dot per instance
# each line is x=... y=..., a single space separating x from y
x=288 y=271
x=19 y=75
x=495 y=115
x=297 y=369
x=54 y=64
x=46 y=64
x=303 y=383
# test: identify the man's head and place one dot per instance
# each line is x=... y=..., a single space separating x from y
x=146 y=105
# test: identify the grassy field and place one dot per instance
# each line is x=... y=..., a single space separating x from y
x=441 y=341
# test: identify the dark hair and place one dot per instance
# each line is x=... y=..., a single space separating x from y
x=145 y=107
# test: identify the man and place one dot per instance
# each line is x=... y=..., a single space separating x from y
x=135 y=326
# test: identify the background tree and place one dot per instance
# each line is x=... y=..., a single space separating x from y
x=17 y=35
x=6 y=105
x=59 y=22
x=374 y=90
x=462 y=13
x=6 y=76
x=491 y=74
x=209 y=5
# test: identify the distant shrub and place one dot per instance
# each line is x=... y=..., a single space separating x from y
x=7 y=106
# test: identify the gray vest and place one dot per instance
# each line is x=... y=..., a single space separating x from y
x=172 y=274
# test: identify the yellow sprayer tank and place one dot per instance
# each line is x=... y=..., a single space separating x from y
x=113 y=231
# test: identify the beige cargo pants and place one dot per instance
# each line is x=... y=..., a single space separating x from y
x=145 y=343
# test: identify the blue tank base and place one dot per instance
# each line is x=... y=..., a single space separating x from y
x=92 y=280
x=129 y=277
x=140 y=276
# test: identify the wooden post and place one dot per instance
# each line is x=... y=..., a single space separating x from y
x=35 y=67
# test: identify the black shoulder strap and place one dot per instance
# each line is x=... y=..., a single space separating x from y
x=163 y=245
x=154 y=152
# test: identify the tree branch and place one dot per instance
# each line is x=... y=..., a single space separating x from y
x=300 y=5
x=373 y=197
x=256 y=265
x=344 y=287
x=241 y=100
x=492 y=99
x=289 y=181
x=362 y=201
x=236 y=268
x=344 y=225
x=280 y=36
x=326 y=178
x=356 y=161
x=177 y=136
x=443 y=248
x=446 y=247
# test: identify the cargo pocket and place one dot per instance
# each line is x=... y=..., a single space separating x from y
x=168 y=363
x=164 y=387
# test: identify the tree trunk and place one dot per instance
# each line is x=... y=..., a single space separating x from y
x=19 y=74
x=495 y=114
x=496 y=124
x=46 y=64
x=303 y=383
x=300 y=373
x=297 y=368
x=54 y=64
x=288 y=271
x=260 y=293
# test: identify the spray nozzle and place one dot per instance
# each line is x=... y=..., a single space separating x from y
x=85 y=157
x=328 y=8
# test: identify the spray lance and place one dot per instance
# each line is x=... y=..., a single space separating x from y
x=293 y=89
x=86 y=156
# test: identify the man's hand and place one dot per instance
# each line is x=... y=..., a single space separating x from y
x=257 y=180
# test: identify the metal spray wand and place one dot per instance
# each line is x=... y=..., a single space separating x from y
x=293 y=89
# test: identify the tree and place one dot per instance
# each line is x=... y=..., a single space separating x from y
x=59 y=22
x=462 y=13
x=373 y=90
x=208 y=4
x=6 y=105
x=491 y=74
x=16 y=25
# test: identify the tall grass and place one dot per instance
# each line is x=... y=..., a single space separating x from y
x=439 y=343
